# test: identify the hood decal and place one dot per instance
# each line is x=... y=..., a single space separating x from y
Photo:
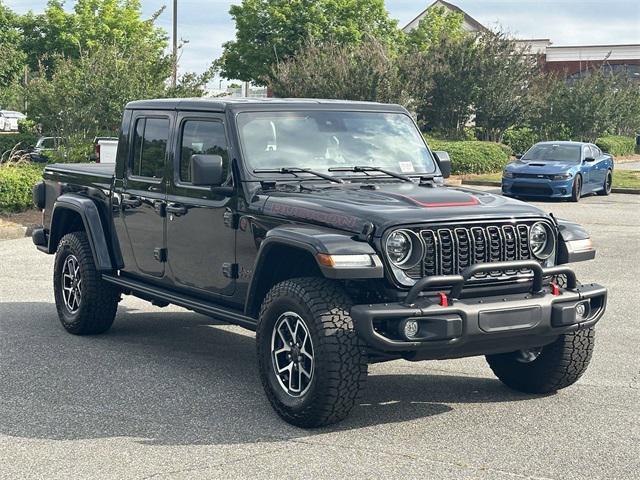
x=472 y=201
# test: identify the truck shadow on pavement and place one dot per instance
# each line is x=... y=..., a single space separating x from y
x=174 y=378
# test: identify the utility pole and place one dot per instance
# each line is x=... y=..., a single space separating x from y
x=174 y=77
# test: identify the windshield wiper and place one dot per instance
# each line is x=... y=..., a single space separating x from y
x=293 y=171
x=365 y=169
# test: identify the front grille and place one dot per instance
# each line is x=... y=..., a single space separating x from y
x=532 y=189
x=533 y=175
x=449 y=249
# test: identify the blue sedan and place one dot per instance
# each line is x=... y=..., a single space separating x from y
x=559 y=170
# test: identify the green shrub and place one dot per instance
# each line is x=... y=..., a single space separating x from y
x=520 y=139
x=16 y=183
x=617 y=145
x=474 y=156
x=7 y=142
x=28 y=127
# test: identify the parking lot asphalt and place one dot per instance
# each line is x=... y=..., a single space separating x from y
x=172 y=394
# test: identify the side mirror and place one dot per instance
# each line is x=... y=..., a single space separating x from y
x=518 y=156
x=206 y=170
x=444 y=162
x=589 y=159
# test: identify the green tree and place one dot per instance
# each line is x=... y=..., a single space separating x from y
x=85 y=96
x=91 y=24
x=12 y=58
x=368 y=71
x=272 y=31
x=438 y=23
x=505 y=74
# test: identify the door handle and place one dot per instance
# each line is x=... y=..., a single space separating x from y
x=176 y=209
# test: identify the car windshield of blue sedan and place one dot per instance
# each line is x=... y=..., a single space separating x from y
x=327 y=139
x=553 y=153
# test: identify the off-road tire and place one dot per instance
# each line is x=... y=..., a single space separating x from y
x=576 y=189
x=559 y=364
x=99 y=299
x=608 y=181
x=340 y=359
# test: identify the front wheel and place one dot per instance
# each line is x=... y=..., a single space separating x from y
x=576 y=191
x=86 y=304
x=546 y=369
x=312 y=364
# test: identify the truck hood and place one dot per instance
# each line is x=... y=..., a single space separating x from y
x=349 y=207
x=541 y=167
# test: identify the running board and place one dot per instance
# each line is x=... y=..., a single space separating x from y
x=197 y=305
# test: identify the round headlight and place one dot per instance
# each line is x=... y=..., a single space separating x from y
x=404 y=249
x=541 y=241
x=399 y=248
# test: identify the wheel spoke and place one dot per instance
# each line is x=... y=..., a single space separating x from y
x=292 y=354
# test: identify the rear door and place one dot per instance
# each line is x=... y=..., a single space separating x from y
x=200 y=230
x=599 y=171
x=144 y=192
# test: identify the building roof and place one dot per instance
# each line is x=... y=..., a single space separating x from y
x=467 y=18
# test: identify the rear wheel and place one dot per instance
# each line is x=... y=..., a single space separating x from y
x=546 y=369
x=86 y=304
x=311 y=362
x=608 y=181
x=576 y=191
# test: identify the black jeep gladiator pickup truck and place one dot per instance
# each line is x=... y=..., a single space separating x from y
x=326 y=228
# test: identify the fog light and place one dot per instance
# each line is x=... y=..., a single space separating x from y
x=582 y=310
x=410 y=329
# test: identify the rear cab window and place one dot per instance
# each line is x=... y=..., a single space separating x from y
x=150 y=139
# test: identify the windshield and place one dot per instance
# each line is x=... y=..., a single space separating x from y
x=553 y=153
x=327 y=139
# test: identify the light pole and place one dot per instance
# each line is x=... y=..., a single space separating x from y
x=174 y=77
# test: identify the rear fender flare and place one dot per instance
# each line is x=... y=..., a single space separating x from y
x=88 y=212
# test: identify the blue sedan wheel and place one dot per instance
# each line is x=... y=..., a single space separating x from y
x=608 y=181
x=576 y=191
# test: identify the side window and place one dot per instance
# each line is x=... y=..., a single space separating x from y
x=595 y=152
x=204 y=137
x=149 y=147
x=586 y=152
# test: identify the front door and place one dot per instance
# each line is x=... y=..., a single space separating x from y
x=200 y=233
x=144 y=193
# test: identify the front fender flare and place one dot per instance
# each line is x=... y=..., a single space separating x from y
x=88 y=212
x=315 y=240
x=574 y=243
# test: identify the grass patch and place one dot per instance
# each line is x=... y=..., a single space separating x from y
x=621 y=178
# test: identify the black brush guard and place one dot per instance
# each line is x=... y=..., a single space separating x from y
x=454 y=327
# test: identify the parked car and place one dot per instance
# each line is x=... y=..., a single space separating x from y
x=44 y=147
x=326 y=228
x=9 y=120
x=106 y=149
x=559 y=170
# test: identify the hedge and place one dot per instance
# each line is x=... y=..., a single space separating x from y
x=473 y=156
x=10 y=140
x=617 y=145
x=16 y=183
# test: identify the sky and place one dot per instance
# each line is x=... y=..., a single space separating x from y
x=206 y=24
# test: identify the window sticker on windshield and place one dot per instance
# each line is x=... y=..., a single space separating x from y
x=406 y=167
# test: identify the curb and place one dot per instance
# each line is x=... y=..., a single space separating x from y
x=629 y=191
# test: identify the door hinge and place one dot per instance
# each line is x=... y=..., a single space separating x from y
x=160 y=254
x=230 y=270
x=230 y=219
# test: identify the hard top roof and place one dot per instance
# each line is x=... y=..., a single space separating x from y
x=253 y=104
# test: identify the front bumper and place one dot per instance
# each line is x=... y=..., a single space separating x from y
x=479 y=326
x=533 y=187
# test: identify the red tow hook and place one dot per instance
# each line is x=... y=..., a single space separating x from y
x=555 y=289
x=444 y=301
